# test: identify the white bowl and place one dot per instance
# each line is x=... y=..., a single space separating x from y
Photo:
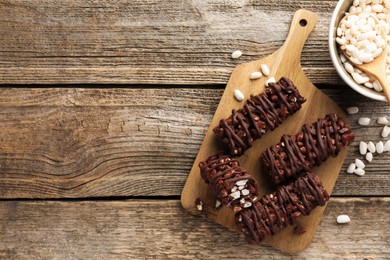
x=339 y=12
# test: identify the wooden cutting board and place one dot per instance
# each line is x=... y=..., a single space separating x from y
x=284 y=62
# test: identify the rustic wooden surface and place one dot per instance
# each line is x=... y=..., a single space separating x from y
x=96 y=170
x=149 y=41
x=150 y=229
x=103 y=142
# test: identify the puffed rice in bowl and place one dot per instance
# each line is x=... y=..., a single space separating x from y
x=377 y=8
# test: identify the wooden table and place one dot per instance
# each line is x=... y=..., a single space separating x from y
x=104 y=105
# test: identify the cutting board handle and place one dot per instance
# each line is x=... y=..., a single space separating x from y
x=301 y=26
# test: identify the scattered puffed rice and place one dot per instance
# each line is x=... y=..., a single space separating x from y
x=363 y=148
x=343 y=219
x=382 y=120
x=245 y=192
x=379 y=147
x=385 y=131
x=238 y=95
x=369 y=157
x=371 y=147
x=256 y=75
x=359 y=172
x=386 y=147
x=351 y=168
x=235 y=194
x=236 y=54
x=265 y=69
x=241 y=182
x=352 y=110
x=270 y=80
x=247 y=204
x=199 y=204
x=359 y=164
x=364 y=121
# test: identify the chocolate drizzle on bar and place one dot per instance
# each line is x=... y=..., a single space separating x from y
x=282 y=208
x=260 y=113
x=310 y=147
x=232 y=185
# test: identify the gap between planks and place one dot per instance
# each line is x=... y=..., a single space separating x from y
x=151 y=198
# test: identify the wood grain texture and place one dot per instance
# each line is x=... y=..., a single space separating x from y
x=87 y=142
x=144 y=229
x=149 y=41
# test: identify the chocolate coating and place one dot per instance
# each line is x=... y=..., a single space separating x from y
x=281 y=208
x=260 y=113
x=310 y=147
x=223 y=173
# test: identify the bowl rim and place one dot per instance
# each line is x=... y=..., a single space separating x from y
x=336 y=59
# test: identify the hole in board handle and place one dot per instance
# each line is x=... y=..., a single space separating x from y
x=303 y=22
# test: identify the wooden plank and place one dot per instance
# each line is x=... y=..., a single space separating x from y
x=145 y=229
x=73 y=142
x=148 y=41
